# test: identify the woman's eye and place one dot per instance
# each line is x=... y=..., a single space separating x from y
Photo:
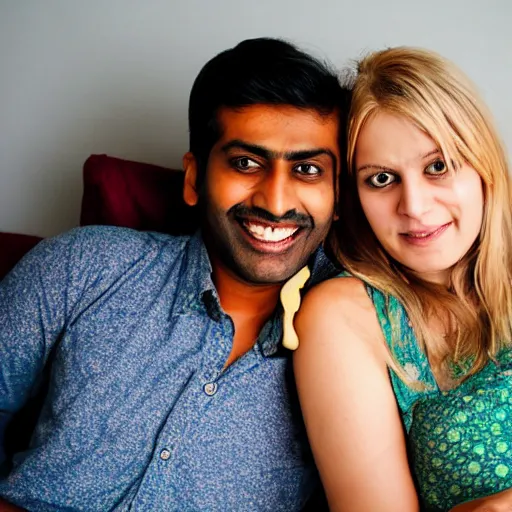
x=381 y=180
x=436 y=168
x=308 y=169
x=244 y=163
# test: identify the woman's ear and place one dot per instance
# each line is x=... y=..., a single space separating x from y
x=190 y=195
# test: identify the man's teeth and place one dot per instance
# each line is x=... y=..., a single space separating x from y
x=268 y=234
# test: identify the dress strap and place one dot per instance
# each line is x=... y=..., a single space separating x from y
x=401 y=340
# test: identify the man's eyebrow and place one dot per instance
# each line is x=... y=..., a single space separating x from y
x=268 y=154
x=250 y=148
x=293 y=156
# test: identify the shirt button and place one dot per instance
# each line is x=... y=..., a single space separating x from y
x=210 y=389
x=165 y=454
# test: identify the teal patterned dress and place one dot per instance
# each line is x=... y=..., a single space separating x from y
x=460 y=441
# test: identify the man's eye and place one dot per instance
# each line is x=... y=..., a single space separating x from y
x=244 y=163
x=437 y=168
x=381 y=180
x=308 y=169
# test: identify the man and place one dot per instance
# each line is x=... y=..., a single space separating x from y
x=169 y=388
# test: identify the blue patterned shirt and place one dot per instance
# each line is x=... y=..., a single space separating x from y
x=140 y=414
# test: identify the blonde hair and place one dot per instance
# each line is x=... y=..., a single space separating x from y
x=476 y=308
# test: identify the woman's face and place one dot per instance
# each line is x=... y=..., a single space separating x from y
x=425 y=217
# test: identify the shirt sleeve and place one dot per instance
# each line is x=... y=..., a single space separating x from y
x=48 y=290
x=34 y=304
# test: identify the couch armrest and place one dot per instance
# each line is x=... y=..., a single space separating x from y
x=13 y=247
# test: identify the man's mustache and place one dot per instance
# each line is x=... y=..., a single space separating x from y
x=303 y=221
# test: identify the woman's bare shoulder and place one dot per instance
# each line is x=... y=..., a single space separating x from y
x=347 y=295
x=338 y=315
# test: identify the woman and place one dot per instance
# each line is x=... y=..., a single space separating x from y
x=404 y=369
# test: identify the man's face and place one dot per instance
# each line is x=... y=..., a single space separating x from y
x=268 y=195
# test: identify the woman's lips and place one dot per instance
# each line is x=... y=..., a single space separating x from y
x=424 y=237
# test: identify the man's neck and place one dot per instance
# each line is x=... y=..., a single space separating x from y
x=240 y=297
x=248 y=305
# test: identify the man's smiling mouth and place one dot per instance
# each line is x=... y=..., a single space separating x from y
x=266 y=233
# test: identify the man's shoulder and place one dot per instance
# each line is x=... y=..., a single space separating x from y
x=111 y=240
x=98 y=249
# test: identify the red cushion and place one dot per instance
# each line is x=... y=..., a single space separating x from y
x=12 y=247
x=135 y=195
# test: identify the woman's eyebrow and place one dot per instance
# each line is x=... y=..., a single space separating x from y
x=374 y=166
x=430 y=153
x=384 y=168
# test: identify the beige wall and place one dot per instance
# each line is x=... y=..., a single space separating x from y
x=113 y=76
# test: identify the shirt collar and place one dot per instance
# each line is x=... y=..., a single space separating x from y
x=196 y=291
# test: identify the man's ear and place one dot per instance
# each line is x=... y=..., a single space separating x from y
x=190 y=195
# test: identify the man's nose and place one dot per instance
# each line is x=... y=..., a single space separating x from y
x=275 y=192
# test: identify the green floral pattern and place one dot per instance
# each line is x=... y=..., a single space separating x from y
x=460 y=441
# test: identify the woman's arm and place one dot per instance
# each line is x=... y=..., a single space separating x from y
x=500 y=502
x=348 y=404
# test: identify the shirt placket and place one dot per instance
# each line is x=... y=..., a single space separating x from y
x=159 y=481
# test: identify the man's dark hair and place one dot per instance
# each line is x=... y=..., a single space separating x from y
x=256 y=71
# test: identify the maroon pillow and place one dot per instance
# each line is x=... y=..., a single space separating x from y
x=12 y=248
x=135 y=195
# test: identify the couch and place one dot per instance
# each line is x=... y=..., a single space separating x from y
x=119 y=192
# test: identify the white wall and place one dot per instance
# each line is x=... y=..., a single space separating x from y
x=80 y=77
